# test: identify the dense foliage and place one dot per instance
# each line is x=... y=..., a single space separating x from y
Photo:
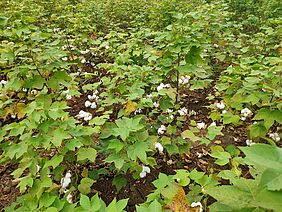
x=93 y=90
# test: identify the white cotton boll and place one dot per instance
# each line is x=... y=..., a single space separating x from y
x=55 y=30
x=83 y=61
x=93 y=105
x=197 y=204
x=243 y=118
x=68 y=97
x=220 y=105
x=88 y=117
x=169 y=110
x=69 y=198
x=143 y=174
x=274 y=136
x=246 y=112
x=161 y=130
x=249 y=142
x=156 y=104
x=65 y=58
x=150 y=96
x=193 y=113
x=146 y=169
x=3 y=82
x=186 y=81
x=201 y=125
x=183 y=111
x=34 y=92
x=213 y=124
x=87 y=104
x=65 y=181
x=159 y=147
x=160 y=87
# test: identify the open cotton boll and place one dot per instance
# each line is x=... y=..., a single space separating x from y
x=156 y=104
x=201 y=125
x=274 y=136
x=162 y=129
x=246 y=112
x=159 y=147
x=213 y=124
x=93 y=105
x=197 y=204
x=87 y=103
x=249 y=142
x=220 y=105
x=146 y=169
x=183 y=111
x=65 y=181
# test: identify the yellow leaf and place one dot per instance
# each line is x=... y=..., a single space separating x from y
x=130 y=107
x=19 y=110
x=179 y=202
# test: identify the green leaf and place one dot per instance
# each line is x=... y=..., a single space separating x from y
x=182 y=177
x=85 y=185
x=119 y=182
x=272 y=178
x=55 y=161
x=86 y=153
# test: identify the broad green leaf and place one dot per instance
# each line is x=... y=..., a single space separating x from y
x=86 y=153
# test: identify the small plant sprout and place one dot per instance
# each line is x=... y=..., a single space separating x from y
x=184 y=80
x=201 y=125
x=162 y=86
x=162 y=130
x=159 y=147
x=183 y=111
x=197 y=205
x=220 y=105
x=65 y=181
x=145 y=170
x=274 y=136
